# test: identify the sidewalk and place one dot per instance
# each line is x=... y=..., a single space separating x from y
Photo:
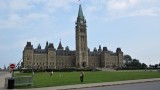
x=78 y=86
x=2 y=80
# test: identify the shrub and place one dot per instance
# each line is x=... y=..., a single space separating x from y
x=58 y=70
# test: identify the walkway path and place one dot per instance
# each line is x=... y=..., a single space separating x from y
x=3 y=74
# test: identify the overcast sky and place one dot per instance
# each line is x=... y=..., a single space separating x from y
x=132 y=25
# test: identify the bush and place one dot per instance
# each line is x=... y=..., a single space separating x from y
x=58 y=70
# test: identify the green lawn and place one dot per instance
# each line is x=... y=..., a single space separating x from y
x=69 y=78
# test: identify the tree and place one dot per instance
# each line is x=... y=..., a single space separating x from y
x=136 y=64
x=143 y=65
x=127 y=58
x=133 y=63
x=156 y=65
x=4 y=67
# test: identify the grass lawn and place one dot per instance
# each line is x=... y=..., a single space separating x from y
x=43 y=79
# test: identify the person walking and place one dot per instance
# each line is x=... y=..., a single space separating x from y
x=51 y=73
x=81 y=76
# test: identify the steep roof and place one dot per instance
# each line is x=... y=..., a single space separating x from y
x=51 y=45
x=39 y=46
x=80 y=12
x=28 y=44
x=60 y=46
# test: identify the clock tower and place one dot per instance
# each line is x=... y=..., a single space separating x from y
x=81 y=40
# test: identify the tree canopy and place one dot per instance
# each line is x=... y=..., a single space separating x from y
x=133 y=63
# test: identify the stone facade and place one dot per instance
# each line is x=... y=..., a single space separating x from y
x=51 y=58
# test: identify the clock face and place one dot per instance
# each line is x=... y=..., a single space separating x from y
x=81 y=22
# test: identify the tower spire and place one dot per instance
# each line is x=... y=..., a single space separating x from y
x=60 y=46
x=80 y=12
x=81 y=40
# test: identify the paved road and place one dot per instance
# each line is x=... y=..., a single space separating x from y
x=137 y=86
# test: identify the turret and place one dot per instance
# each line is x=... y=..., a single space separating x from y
x=67 y=48
x=29 y=45
x=51 y=56
x=99 y=50
x=60 y=46
x=39 y=46
x=120 y=57
x=51 y=47
x=46 y=47
x=28 y=55
x=118 y=50
x=105 y=49
x=95 y=49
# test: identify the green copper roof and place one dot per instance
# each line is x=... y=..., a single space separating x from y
x=80 y=12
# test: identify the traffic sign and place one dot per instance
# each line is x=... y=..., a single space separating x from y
x=12 y=66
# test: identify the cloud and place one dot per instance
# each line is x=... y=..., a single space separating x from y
x=146 y=12
x=2 y=5
x=64 y=34
x=37 y=16
x=131 y=8
x=21 y=13
x=16 y=5
x=59 y=3
x=12 y=20
x=15 y=20
x=93 y=8
x=90 y=11
x=120 y=4
x=20 y=44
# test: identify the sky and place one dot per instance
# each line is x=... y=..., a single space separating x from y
x=132 y=25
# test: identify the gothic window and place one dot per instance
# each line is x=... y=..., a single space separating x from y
x=83 y=55
x=82 y=30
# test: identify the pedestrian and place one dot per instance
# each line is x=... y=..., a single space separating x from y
x=81 y=76
x=51 y=73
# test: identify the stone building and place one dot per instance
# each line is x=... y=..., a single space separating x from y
x=52 y=58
